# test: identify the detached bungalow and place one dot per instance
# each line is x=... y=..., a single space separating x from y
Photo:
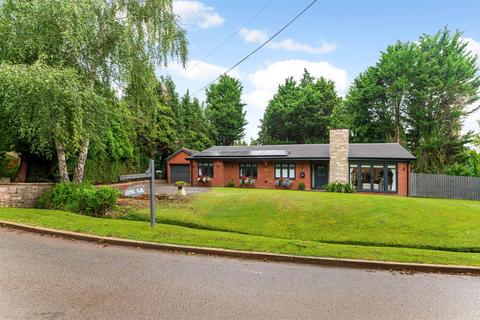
x=369 y=167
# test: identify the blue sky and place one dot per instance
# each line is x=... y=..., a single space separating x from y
x=334 y=39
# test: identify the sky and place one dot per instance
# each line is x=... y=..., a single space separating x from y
x=334 y=39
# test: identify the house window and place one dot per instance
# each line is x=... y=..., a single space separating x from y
x=285 y=170
x=354 y=174
x=205 y=169
x=374 y=177
x=391 y=178
x=248 y=170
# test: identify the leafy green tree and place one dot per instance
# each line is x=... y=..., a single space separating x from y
x=300 y=112
x=446 y=82
x=195 y=127
x=45 y=109
x=225 y=110
x=378 y=97
x=108 y=43
x=114 y=153
x=275 y=126
x=469 y=167
x=154 y=119
x=417 y=94
x=240 y=143
x=168 y=95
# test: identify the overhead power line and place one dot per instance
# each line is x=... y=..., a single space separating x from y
x=230 y=37
x=260 y=46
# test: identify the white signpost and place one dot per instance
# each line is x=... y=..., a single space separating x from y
x=150 y=173
x=134 y=191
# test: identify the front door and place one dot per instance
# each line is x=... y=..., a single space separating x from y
x=320 y=175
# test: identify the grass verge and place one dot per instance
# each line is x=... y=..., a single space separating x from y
x=163 y=233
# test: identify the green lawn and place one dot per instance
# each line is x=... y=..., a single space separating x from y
x=359 y=219
x=292 y=222
x=164 y=233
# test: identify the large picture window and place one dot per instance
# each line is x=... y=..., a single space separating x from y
x=205 y=169
x=248 y=170
x=373 y=177
x=285 y=170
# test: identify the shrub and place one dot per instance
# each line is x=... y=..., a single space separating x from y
x=340 y=187
x=8 y=166
x=79 y=198
x=301 y=186
x=231 y=184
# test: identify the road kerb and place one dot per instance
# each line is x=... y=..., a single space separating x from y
x=252 y=255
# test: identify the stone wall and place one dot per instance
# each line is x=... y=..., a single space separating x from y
x=339 y=148
x=22 y=195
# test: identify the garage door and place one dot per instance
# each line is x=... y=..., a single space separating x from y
x=179 y=172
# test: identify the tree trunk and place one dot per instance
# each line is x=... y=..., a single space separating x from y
x=23 y=169
x=62 y=162
x=82 y=158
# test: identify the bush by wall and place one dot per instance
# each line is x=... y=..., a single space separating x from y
x=301 y=186
x=340 y=187
x=79 y=198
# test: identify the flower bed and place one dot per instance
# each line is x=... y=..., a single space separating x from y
x=246 y=181
x=204 y=179
x=283 y=183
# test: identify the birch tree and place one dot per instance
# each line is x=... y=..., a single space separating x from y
x=105 y=42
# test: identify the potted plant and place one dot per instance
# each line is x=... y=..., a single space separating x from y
x=244 y=181
x=204 y=179
x=278 y=182
x=283 y=182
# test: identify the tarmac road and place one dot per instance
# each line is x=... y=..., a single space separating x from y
x=42 y=277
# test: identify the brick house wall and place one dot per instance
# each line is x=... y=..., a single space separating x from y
x=403 y=178
x=226 y=171
x=179 y=158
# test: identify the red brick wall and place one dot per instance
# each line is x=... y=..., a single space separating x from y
x=177 y=159
x=403 y=178
x=227 y=171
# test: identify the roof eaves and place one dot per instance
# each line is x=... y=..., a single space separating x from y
x=190 y=152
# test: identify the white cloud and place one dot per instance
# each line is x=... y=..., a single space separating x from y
x=259 y=36
x=472 y=45
x=267 y=80
x=196 y=14
x=471 y=122
x=251 y=35
x=198 y=70
x=292 y=45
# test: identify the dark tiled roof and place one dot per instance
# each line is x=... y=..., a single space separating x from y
x=190 y=152
x=379 y=151
x=305 y=151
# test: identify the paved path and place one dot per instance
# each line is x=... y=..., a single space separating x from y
x=51 y=278
x=171 y=189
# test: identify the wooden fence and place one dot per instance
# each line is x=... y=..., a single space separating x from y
x=443 y=186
